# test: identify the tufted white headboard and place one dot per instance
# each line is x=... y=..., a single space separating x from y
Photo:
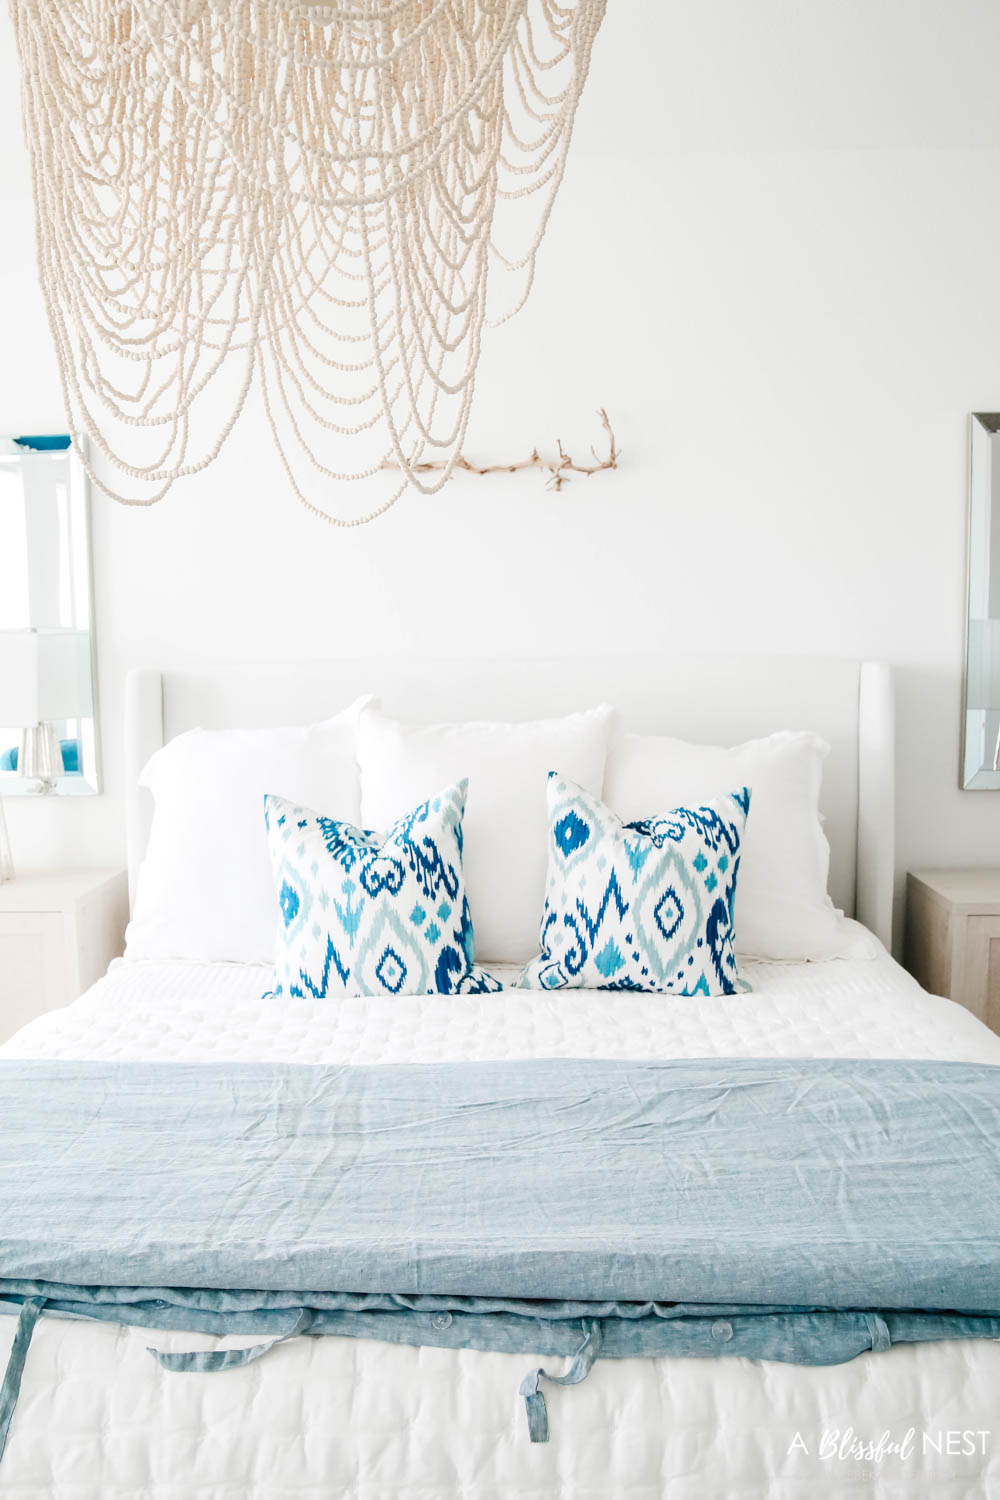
x=714 y=700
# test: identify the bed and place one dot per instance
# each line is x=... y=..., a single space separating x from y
x=339 y=1416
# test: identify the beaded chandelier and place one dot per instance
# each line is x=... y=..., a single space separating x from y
x=309 y=195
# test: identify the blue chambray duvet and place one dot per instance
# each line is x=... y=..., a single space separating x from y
x=790 y=1210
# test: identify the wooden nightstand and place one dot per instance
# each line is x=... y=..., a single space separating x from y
x=953 y=937
x=58 y=933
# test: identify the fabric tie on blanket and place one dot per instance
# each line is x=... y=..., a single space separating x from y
x=11 y=1388
x=209 y=1361
x=879 y=1330
x=534 y=1401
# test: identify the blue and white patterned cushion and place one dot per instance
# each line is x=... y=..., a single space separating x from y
x=639 y=906
x=367 y=915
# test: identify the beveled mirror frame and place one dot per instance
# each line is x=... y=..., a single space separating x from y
x=979 y=763
x=86 y=780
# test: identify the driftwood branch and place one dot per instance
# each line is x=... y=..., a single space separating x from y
x=558 y=469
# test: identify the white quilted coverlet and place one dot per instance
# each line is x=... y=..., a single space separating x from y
x=327 y=1418
x=153 y=1010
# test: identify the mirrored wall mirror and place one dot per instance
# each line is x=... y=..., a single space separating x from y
x=48 y=732
x=980 y=770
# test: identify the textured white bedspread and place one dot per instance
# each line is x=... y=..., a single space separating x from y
x=332 y=1418
x=181 y=1011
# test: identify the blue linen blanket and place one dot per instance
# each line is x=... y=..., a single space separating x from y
x=792 y=1210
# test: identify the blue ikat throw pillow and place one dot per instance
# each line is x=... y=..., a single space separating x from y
x=639 y=906
x=363 y=914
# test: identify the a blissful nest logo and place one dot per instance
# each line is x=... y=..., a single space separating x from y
x=844 y=1444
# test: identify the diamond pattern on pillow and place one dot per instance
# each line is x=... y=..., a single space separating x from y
x=639 y=906
x=365 y=915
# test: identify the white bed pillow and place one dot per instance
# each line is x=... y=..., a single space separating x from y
x=205 y=889
x=506 y=825
x=782 y=907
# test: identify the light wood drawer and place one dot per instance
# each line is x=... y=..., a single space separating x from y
x=953 y=937
x=982 y=966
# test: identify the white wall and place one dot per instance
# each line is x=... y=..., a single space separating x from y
x=774 y=261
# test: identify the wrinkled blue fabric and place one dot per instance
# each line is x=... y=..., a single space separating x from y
x=789 y=1210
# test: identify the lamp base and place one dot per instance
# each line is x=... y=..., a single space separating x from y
x=39 y=757
x=6 y=858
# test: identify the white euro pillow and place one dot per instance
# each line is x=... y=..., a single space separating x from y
x=782 y=909
x=205 y=889
x=505 y=829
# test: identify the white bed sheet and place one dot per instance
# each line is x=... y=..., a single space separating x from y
x=332 y=1417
